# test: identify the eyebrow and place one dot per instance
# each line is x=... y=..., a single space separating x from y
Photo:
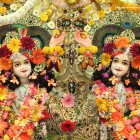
x=19 y=61
x=125 y=61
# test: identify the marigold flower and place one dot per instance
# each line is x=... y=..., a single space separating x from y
x=14 y=45
x=5 y=63
x=136 y=62
x=101 y=14
x=122 y=42
x=44 y=17
x=106 y=59
x=82 y=50
x=93 y=49
x=3 y=10
x=38 y=57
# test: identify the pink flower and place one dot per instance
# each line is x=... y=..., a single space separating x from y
x=131 y=100
x=131 y=137
x=135 y=120
x=4 y=115
x=129 y=128
x=137 y=126
x=132 y=107
x=127 y=122
x=117 y=106
x=68 y=100
x=32 y=89
x=88 y=54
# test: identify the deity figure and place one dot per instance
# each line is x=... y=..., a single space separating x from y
x=117 y=88
x=25 y=83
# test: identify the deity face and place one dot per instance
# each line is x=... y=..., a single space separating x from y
x=22 y=67
x=120 y=65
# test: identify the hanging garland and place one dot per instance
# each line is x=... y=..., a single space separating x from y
x=12 y=18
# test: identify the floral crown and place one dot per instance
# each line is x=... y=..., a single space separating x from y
x=121 y=45
x=15 y=47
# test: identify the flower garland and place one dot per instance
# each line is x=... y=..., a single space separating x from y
x=28 y=115
x=12 y=18
x=124 y=126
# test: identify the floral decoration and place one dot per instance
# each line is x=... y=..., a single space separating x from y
x=124 y=126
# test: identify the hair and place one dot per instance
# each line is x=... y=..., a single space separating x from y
x=98 y=75
x=39 y=81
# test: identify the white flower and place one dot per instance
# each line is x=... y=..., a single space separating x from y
x=51 y=25
x=95 y=17
x=13 y=7
x=80 y=58
x=107 y=10
x=36 y=12
x=87 y=28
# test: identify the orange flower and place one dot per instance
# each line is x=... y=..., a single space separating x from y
x=24 y=136
x=113 y=80
x=38 y=57
x=14 y=80
x=5 y=63
x=51 y=82
x=7 y=1
x=127 y=82
x=3 y=78
x=116 y=117
x=122 y=42
x=136 y=62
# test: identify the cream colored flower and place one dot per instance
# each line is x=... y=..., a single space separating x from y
x=51 y=25
x=87 y=28
x=95 y=17
x=13 y=7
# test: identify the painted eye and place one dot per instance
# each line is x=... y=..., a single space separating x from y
x=124 y=63
x=115 y=61
x=79 y=23
x=17 y=64
x=26 y=62
x=66 y=23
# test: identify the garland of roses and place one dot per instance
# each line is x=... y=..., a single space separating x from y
x=124 y=126
x=29 y=114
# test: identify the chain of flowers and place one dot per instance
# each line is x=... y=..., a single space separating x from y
x=19 y=118
x=12 y=18
x=118 y=134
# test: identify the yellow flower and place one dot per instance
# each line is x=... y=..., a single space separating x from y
x=48 y=12
x=61 y=52
x=56 y=32
x=36 y=114
x=7 y=108
x=102 y=104
x=14 y=45
x=30 y=132
x=106 y=59
x=2 y=94
x=57 y=48
x=93 y=49
x=45 y=50
x=51 y=50
x=82 y=50
x=6 y=137
x=91 y=22
x=23 y=122
x=101 y=14
x=3 y=10
x=44 y=17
